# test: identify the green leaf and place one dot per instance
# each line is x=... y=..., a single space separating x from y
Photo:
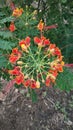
x=7 y=19
x=64 y=80
x=33 y=95
x=2 y=14
x=6 y=45
x=3 y=61
x=5 y=34
x=64 y=1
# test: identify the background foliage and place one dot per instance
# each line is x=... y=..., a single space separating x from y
x=53 y=12
x=58 y=12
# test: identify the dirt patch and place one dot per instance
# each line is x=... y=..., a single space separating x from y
x=52 y=112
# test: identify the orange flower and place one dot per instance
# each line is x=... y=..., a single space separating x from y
x=22 y=42
x=37 y=40
x=59 y=68
x=15 y=51
x=25 y=43
x=15 y=55
x=46 y=42
x=17 y=12
x=27 y=83
x=59 y=58
x=41 y=42
x=13 y=58
x=51 y=49
x=33 y=84
x=43 y=38
x=57 y=51
x=15 y=71
x=19 y=79
x=40 y=25
x=23 y=46
x=54 y=72
x=46 y=68
x=52 y=46
x=47 y=82
x=12 y=27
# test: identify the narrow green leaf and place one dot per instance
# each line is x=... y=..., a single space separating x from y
x=33 y=95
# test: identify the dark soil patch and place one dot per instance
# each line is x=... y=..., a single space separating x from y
x=52 y=112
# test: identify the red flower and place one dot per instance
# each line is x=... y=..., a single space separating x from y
x=37 y=40
x=33 y=84
x=43 y=38
x=59 y=68
x=27 y=41
x=15 y=71
x=15 y=51
x=46 y=42
x=13 y=58
x=54 y=72
x=12 y=27
x=22 y=42
x=52 y=46
x=19 y=79
x=57 y=51
x=47 y=82
x=17 y=12
x=15 y=55
x=27 y=82
x=41 y=41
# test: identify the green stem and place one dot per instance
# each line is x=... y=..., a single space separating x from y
x=31 y=55
x=41 y=75
x=44 y=57
x=31 y=72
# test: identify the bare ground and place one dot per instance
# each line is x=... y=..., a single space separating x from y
x=53 y=111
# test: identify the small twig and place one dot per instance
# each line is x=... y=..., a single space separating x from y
x=66 y=46
x=51 y=101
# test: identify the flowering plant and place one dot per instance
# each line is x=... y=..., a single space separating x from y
x=35 y=61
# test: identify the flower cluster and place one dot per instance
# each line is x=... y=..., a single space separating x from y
x=36 y=61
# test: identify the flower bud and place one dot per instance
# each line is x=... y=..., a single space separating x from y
x=35 y=12
x=19 y=62
x=62 y=63
x=26 y=66
x=37 y=84
x=26 y=24
x=26 y=76
x=43 y=81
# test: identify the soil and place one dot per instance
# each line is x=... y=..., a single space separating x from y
x=52 y=111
